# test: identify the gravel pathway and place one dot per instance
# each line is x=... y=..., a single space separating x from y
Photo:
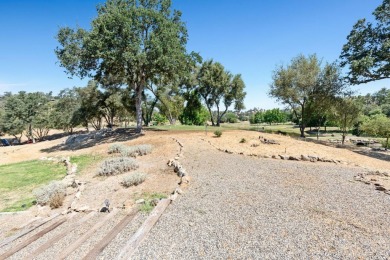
x=248 y=208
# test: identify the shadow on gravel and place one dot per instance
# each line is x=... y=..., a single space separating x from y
x=86 y=140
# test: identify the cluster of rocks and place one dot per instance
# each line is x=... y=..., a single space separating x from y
x=369 y=178
x=269 y=141
x=305 y=158
x=179 y=169
x=70 y=181
x=77 y=139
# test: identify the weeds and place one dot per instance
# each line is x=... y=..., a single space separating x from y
x=243 y=140
x=151 y=201
x=218 y=133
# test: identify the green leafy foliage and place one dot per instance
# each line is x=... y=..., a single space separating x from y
x=130 y=43
x=26 y=112
x=218 y=88
x=366 y=54
x=218 y=133
x=378 y=125
x=159 y=119
x=256 y=118
x=194 y=112
x=306 y=87
x=346 y=114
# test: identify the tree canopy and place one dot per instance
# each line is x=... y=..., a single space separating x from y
x=304 y=86
x=367 y=52
x=220 y=89
x=130 y=43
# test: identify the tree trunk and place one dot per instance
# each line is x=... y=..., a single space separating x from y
x=343 y=138
x=302 y=129
x=138 y=108
x=211 y=116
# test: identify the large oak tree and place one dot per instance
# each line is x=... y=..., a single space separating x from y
x=130 y=43
x=220 y=89
x=367 y=52
x=304 y=85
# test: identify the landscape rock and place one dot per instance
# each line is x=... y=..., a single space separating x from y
x=173 y=196
x=305 y=158
x=140 y=201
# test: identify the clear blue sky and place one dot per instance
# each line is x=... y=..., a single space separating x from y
x=248 y=37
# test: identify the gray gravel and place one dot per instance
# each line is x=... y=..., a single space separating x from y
x=248 y=208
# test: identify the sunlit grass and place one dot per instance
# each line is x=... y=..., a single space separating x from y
x=18 y=180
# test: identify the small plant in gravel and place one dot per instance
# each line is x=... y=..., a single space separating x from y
x=53 y=194
x=118 y=165
x=151 y=201
x=218 y=133
x=56 y=200
x=243 y=140
x=133 y=179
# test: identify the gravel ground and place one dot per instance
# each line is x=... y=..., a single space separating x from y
x=247 y=208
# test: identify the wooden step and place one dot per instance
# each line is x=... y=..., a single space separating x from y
x=76 y=244
x=111 y=235
x=27 y=230
x=55 y=239
x=144 y=230
x=33 y=238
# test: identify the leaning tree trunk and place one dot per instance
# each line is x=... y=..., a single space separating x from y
x=138 y=107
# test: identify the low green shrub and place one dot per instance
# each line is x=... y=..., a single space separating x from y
x=243 y=140
x=53 y=194
x=218 y=133
x=118 y=165
x=133 y=179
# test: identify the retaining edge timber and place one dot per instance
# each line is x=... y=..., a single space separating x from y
x=55 y=239
x=111 y=235
x=72 y=247
x=32 y=239
x=144 y=230
x=26 y=231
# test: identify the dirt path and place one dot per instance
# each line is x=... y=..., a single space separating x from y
x=239 y=207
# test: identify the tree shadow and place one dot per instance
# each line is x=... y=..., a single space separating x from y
x=384 y=156
x=86 y=140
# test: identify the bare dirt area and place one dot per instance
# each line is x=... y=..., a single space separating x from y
x=217 y=190
x=284 y=145
x=160 y=178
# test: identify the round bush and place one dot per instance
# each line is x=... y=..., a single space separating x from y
x=118 y=165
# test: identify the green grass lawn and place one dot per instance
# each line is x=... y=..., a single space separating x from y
x=18 y=180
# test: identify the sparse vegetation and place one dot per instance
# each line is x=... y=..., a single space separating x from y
x=118 y=165
x=242 y=141
x=116 y=148
x=18 y=180
x=132 y=151
x=218 y=133
x=150 y=201
x=52 y=194
x=133 y=179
